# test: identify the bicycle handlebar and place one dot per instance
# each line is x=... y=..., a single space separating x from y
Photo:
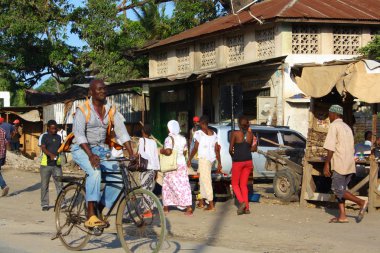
x=117 y=159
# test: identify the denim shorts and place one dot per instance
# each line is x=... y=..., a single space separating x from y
x=339 y=184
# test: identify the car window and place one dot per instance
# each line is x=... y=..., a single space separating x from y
x=293 y=140
x=263 y=137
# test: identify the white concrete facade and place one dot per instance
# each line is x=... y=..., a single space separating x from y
x=300 y=43
x=6 y=97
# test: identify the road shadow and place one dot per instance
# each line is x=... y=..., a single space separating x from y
x=36 y=186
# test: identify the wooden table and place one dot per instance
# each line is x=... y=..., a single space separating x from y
x=314 y=167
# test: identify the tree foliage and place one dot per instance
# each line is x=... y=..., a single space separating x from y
x=372 y=49
x=34 y=38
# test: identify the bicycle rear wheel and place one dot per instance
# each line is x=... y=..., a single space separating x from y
x=70 y=215
x=139 y=232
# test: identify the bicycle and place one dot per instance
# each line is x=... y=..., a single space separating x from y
x=137 y=232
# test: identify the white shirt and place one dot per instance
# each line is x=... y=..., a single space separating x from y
x=206 y=147
x=63 y=134
x=180 y=145
x=117 y=153
x=150 y=153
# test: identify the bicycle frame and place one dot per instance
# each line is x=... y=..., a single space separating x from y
x=125 y=182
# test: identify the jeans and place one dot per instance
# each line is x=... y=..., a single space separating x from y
x=15 y=145
x=46 y=172
x=93 y=180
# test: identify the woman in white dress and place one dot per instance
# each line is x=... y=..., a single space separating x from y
x=176 y=189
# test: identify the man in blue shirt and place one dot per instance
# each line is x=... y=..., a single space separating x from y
x=8 y=128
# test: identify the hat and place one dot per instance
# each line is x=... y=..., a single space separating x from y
x=336 y=109
x=16 y=121
x=196 y=119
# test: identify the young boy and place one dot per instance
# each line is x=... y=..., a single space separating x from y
x=206 y=144
x=50 y=162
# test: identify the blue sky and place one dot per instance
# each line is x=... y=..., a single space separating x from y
x=74 y=40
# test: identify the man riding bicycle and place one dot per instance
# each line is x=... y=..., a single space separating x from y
x=89 y=148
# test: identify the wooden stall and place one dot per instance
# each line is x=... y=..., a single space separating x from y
x=31 y=122
x=337 y=83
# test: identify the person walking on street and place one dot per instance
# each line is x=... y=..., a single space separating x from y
x=176 y=189
x=16 y=135
x=3 y=154
x=206 y=144
x=50 y=163
x=339 y=144
x=8 y=128
x=89 y=146
x=148 y=150
x=241 y=145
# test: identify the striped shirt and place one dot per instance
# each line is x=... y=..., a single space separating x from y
x=3 y=143
x=94 y=132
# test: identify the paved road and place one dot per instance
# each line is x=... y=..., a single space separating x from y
x=272 y=227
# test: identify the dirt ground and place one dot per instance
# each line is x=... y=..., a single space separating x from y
x=272 y=227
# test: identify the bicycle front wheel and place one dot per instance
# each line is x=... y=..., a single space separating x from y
x=70 y=215
x=140 y=222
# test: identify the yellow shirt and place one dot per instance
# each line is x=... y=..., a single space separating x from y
x=340 y=140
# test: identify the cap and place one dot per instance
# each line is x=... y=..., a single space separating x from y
x=16 y=121
x=196 y=119
x=336 y=109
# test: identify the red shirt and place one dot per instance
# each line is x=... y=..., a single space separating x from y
x=3 y=143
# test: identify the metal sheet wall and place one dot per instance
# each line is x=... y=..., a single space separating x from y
x=129 y=105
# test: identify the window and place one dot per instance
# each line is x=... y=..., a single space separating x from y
x=293 y=140
x=267 y=138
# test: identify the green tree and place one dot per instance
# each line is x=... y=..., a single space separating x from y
x=372 y=49
x=190 y=13
x=33 y=39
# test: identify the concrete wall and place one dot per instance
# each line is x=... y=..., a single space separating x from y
x=6 y=97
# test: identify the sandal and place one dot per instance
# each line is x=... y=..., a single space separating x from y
x=104 y=219
x=336 y=220
x=362 y=212
x=94 y=222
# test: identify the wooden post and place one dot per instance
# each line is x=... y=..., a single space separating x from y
x=373 y=173
x=201 y=97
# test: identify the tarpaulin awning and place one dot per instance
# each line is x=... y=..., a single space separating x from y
x=360 y=78
x=31 y=116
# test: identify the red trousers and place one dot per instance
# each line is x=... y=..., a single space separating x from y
x=239 y=181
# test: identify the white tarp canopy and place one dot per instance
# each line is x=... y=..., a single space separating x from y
x=360 y=78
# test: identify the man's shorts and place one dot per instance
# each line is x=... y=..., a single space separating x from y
x=339 y=184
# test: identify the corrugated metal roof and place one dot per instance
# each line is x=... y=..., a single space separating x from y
x=349 y=10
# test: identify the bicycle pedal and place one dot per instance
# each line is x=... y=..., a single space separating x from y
x=97 y=231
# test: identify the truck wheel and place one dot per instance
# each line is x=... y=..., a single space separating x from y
x=285 y=185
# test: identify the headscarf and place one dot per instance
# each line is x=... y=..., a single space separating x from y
x=173 y=127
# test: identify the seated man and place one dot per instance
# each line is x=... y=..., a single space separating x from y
x=364 y=147
x=90 y=130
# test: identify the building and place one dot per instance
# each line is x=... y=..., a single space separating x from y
x=31 y=122
x=196 y=70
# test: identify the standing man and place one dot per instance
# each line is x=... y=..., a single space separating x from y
x=89 y=147
x=50 y=163
x=16 y=135
x=340 y=147
x=206 y=144
x=3 y=152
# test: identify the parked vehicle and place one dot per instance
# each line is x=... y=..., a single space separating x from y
x=270 y=139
